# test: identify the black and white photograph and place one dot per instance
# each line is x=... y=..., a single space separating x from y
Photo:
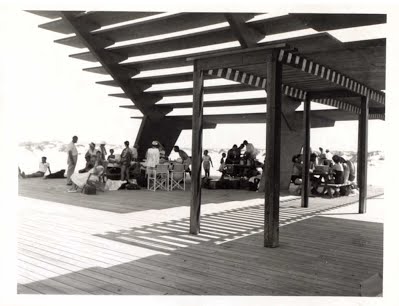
x=227 y=155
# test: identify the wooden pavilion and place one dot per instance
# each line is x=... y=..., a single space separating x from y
x=318 y=67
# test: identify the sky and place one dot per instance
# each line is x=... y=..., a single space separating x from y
x=52 y=98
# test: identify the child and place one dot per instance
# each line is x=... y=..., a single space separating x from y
x=111 y=156
x=207 y=162
x=222 y=161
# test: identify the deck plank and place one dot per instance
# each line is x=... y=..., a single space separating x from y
x=119 y=246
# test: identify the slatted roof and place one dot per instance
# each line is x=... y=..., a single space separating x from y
x=117 y=40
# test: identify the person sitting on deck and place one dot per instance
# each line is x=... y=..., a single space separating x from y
x=43 y=167
x=152 y=157
x=186 y=159
x=80 y=179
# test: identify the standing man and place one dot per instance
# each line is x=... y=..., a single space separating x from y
x=72 y=158
x=103 y=150
x=126 y=159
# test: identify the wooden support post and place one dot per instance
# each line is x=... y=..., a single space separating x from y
x=306 y=154
x=362 y=154
x=195 y=208
x=273 y=144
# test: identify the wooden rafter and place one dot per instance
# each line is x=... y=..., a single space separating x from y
x=109 y=61
x=260 y=82
x=330 y=75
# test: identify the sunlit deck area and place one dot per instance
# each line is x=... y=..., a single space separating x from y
x=138 y=243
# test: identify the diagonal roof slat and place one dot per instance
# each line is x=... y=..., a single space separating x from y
x=100 y=19
x=328 y=22
x=238 y=102
x=193 y=40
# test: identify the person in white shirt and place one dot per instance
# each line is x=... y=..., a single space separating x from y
x=152 y=157
x=72 y=158
x=43 y=167
x=329 y=156
x=250 y=151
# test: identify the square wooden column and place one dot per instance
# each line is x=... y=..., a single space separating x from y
x=362 y=153
x=195 y=207
x=273 y=144
x=306 y=154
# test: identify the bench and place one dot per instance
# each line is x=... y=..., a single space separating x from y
x=337 y=187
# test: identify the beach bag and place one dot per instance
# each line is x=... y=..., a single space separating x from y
x=205 y=182
x=132 y=187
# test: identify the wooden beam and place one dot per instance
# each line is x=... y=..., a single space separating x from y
x=240 y=102
x=195 y=207
x=248 y=37
x=133 y=90
x=237 y=57
x=207 y=90
x=306 y=154
x=363 y=153
x=331 y=94
x=260 y=82
x=273 y=145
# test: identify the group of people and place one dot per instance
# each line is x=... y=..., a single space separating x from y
x=234 y=155
x=336 y=167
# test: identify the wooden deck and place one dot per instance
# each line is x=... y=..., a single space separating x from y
x=137 y=243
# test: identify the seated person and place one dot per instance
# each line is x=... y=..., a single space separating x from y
x=296 y=176
x=162 y=153
x=99 y=161
x=80 y=179
x=233 y=155
x=313 y=162
x=43 y=167
x=337 y=170
x=90 y=156
x=352 y=171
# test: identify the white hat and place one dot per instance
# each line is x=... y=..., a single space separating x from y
x=102 y=143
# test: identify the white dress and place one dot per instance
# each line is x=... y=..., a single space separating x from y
x=80 y=179
x=152 y=157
